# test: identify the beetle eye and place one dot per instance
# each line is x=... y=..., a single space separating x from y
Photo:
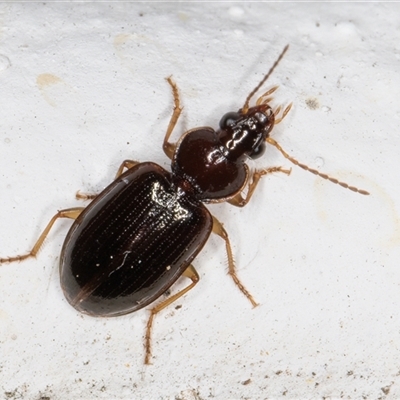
x=258 y=151
x=229 y=119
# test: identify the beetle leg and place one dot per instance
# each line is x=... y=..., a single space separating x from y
x=85 y=196
x=72 y=213
x=190 y=273
x=125 y=164
x=128 y=164
x=240 y=201
x=219 y=230
x=169 y=148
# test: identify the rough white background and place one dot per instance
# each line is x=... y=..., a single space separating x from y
x=82 y=88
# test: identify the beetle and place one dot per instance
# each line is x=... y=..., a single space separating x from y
x=143 y=231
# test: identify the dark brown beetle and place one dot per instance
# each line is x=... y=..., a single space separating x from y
x=141 y=233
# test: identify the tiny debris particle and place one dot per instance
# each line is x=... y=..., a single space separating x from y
x=386 y=389
x=312 y=103
x=246 y=382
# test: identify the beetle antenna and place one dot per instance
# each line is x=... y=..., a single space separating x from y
x=314 y=171
x=254 y=91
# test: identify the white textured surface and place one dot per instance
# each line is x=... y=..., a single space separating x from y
x=82 y=88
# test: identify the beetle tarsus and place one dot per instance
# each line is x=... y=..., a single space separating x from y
x=219 y=230
x=67 y=213
x=190 y=273
x=239 y=200
x=168 y=147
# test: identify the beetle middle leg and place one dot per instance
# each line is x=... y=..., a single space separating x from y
x=169 y=148
x=126 y=164
x=190 y=273
x=219 y=230
x=240 y=201
x=72 y=213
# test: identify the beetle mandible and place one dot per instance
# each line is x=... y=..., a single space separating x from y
x=142 y=232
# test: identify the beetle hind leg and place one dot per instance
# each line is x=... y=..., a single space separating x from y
x=72 y=213
x=190 y=273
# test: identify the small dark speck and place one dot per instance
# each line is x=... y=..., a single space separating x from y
x=278 y=372
x=349 y=373
x=284 y=393
x=44 y=398
x=312 y=103
x=141 y=14
x=386 y=389
x=178 y=307
x=246 y=382
x=317 y=25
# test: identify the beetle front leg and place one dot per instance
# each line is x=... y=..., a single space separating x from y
x=169 y=148
x=219 y=230
x=126 y=164
x=190 y=273
x=72 y=213
x=240 y=201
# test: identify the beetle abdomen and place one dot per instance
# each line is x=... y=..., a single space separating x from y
x=131 y=243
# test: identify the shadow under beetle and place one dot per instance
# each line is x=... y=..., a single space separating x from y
x=142 y=232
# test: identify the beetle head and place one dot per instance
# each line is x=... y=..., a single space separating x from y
x=243 y=133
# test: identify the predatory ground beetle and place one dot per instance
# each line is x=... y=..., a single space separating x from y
x=143 y=231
